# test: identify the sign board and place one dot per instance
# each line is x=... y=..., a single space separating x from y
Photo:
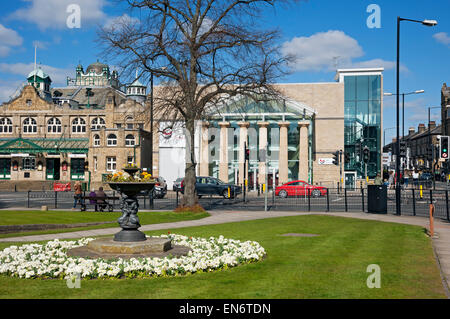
x=20 y=155
x=77 y=155
x=386 y=158
x=326 y=161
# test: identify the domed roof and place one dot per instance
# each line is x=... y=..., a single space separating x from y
x=97 y=67
x=39 y=73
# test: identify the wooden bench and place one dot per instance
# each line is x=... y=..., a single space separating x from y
x=86 y=200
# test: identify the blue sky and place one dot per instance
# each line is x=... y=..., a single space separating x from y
x=322 y=34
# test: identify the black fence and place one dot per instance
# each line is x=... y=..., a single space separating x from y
x=414 y=202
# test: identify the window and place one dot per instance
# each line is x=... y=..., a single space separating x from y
x=118 y=125
x=79 y=125
x=96 y=140
x=5 y=125
x=53 y=125
x=29 y=163
x=129 y=140
x=29 y=125
x=97 y=123
x=111 y=163
x=130 y=126
x=95 y=164
x=130 y=160
x=111 y=140
x=29 y=102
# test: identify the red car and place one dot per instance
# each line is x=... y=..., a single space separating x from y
x=300 y=188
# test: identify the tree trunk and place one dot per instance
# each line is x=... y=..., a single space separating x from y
x=190 y=196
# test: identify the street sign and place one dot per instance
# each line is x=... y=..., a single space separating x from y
x=326 y=161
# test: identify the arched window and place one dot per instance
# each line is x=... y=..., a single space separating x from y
x=129 y=140
x=111 y=140
x=79 y=125
x=54 y=125
x=5 y=125
x=29 y=125
x=96 y=140
x=97 y=123
x=129 y=122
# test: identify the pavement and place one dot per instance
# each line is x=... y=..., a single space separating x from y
x=440 y=240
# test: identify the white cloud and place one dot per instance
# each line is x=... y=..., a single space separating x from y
x=8 y=88
x=8 y=39
x=52 y=14
x=442 y=37
x=119 y=21
x=58 y=75
x=324 y=51
x=40 y=44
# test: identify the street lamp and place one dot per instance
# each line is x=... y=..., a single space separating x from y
x=403 y=105
x=429 y=23
x=430 y=146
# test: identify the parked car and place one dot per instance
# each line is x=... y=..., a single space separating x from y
x=177 y=184
x=300 y=188
x=205 y=185
x=160 y=189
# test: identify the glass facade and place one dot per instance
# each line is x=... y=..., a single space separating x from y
x=362 y=123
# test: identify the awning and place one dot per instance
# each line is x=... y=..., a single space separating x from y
x=43 y=145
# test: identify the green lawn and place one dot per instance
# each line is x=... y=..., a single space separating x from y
x=74 y=217
x=332 y=265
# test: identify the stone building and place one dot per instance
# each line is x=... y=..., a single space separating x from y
x=78 y=132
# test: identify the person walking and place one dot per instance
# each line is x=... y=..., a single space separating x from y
x=415 y=176
x=391 y=180
x=77 y=196
x=406 y=178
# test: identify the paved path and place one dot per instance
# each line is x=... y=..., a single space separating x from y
x=441 y=240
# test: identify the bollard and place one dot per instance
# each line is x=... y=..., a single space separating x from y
x=421 y=191
x=177 y=199
x=414 y=201
x=309 y=199
x=431 y=220
x=56 y=199
x=446 y=205
x=28 y=199
x=345 y=195
x=328 y=202
x=229 y=193
x=362 y=198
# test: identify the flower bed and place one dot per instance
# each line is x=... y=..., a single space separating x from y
x=51 y=260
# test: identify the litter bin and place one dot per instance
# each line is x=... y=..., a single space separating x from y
x=377 y=199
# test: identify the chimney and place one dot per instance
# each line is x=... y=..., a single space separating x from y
x=411 y=131
x=421 y=128
x=432 y=125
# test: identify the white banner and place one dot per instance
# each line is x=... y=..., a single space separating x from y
x=325 y=161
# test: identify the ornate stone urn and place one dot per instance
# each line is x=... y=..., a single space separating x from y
x=129 y=221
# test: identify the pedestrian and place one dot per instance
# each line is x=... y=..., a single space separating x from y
x=391 y=180
x=92 y=199
x=406 y=178
x=77 y=196
x=415 y=176
x=378 y=180
x=101 y=199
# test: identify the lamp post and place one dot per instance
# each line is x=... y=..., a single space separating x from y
x=151 y=123
x=384 y=134
x=429 y=23
x=403 y=105
x=431 y=146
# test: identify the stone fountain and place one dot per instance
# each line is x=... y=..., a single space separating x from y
x=129 y=242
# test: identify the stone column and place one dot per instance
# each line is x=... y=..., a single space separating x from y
x=283 y=172
x=303 y=153
x=204 y=150
x=243 y=128
x=262 y=145
x=223 y=163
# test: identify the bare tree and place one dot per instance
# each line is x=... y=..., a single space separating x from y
x=205 y=50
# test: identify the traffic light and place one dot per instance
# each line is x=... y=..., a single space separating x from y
x=246 y=152
x=336 y=158
x=366 y=154
x=402 y=149
x=443 y=146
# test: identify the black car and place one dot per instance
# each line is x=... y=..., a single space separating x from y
x=177 y=184
x=206 y=185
